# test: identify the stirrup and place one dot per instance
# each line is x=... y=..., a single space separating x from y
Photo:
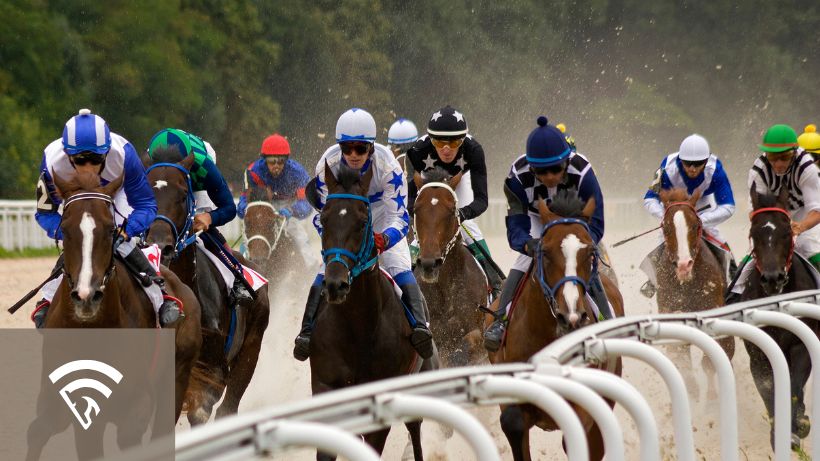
x=38 y=316
x=422 y=341
x=170 y=311
x=648 y=289
x=493 y=335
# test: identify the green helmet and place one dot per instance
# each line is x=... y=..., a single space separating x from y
x=779 y=138
x=170 y=137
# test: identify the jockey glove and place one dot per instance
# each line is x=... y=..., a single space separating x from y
x=286 y=213
x=240 y=209
x=532 y=247
x=461 y=215
x=382 y=241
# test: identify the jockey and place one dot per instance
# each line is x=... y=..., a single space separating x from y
x=401 y=136
x=447 y=145
x=548 y=166
x=88 y=145
x=809 y=141
x=697 y=169
x=356 y=148
x=784 y=163
x=205 y=176
x=282 y=181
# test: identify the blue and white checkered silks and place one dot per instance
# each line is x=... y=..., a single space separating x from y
x=86 y=132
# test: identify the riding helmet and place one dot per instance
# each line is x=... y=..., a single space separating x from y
x=694 y=148
x=275 y=144
x=810 y=139
x=356 y=125
x=546 y=145
x=86 y=132
x=779 y=138
x=402 y=131
x=170 y=137
x=447 y=123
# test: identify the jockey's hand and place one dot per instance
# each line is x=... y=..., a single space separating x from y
x=202 y=222
x=286 y=213
x=798 y=228
x=382 y=241
x=532 y=247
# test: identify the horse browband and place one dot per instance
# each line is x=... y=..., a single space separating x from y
x=88 y=196
x=181 y=237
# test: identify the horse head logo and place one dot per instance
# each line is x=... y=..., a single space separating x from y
x=91 y=405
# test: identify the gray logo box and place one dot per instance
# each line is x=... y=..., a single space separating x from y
x=86 y=393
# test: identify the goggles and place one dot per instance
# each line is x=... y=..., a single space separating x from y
x=84 y=158
x=278 y=160
x=552 y=169
x=350 y=147
x=452 y=143
x=693 y=163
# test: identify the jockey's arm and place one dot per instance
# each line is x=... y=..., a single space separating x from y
x=518 y=218
x=724 y=198
x=396 y=210
x=651 y=200
x=589 y=188
x=47 y=203
x=409 y=173
x=139 y=194
x=300 y=209
x=810 y=185
x=218 y=192
x=478 y=179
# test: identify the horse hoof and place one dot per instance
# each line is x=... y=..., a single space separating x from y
x=802 y=426
x=301 y=351
x=795 y=442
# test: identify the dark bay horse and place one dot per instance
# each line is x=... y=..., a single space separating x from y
x=97 y=291
x=777 y=271
x=552 y=303
x=361 y=333
x=230 y=349
x=690 y=278
x=268 y=244
x=452 y=281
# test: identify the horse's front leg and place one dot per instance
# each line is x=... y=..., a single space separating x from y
x=517 y=429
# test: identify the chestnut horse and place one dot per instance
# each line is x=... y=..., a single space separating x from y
x=690 y=278
x=268 y=244
x=777 y=270
x=97 y=291
x=231 y=338
x=553 y=302
x=360 y=333
x=451 y=279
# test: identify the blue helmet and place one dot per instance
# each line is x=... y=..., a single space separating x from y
x=86 y=132
x=546 y=145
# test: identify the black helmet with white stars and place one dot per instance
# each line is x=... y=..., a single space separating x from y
x=447 y=123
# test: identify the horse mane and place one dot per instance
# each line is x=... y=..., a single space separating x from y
x=347 y=177
x=166 y=154
x=437 y=174
x=81 y=181
x=567 y=204
x=766 y=200
x=677 y=194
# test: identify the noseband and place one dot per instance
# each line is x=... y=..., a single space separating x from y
x=360 y=259
x=695 y=250
x=454 y=239
x=280 y=218
x=791 y=245
x=114 y=232
x=182 y=237
x=550 y=292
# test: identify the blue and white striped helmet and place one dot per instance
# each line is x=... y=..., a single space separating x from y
x=402 y=131
x=86 y=132
x=356 y=125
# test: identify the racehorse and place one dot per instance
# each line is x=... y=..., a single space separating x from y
x=452 y=281
x=777 y=271
x=268 y=244
x=98 y=291
x=690 y=277
x=231 y=337
x=360 y=332
x=552 y=302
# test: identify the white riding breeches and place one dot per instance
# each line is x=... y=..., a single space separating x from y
x=464 y=193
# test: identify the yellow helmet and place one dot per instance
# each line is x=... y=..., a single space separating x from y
x=810 y=139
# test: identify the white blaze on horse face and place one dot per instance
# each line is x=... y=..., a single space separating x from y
x=682 y=235
x=771 y=226
x=343 y=212
x=87 y=226
x=570 y=247
x=160 y=184
x=434 y=201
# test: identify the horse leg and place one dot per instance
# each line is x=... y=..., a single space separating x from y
x=204 y=390
x=763 y=376
x=728 y=346
x=131 y=429
x=378 y=438
x=681 y=357
x=40 y=431
x=595 y=442
x=517 y=431
x=89 y=442
x=414 y=429
x=799 y=363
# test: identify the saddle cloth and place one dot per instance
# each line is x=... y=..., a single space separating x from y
x=254 y=279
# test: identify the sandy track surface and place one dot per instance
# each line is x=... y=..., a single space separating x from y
x=280 y=379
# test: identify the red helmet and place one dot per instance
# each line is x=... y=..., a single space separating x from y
x=275 y=144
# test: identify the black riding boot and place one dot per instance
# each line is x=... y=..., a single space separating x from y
x=422 y=337
x=138 y=264
x=301 y=351
x=38 y=316
x=598 y=294
x=494 y=333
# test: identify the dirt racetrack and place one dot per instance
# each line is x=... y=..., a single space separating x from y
x=280 y=379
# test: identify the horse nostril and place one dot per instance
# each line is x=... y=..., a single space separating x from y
x=781 y=276
x=439 y=262
x=344 y=287
x=98 y=295
x=75 y=296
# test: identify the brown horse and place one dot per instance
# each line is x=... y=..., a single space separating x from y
x=552 y=303
x=361 y=333
x=452 y=281
x=97 y=291
x=690 y=278
x=268 y=244
x=229 y=353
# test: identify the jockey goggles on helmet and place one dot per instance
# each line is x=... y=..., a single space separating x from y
x=552 y=169
x=361 y=148
x=453 y=143
x=88 y=157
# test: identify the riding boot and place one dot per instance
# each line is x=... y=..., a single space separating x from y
x=136 y=262
x=239 y=293
x=494 y=333
x=598 y=294
x=301 y=351
x=485 y=259
x=38 y=316
x=422 y=337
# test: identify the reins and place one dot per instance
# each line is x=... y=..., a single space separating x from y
x=281 y=228
x=361 y=259
x=454 y=239
x=791 y=245
x=182 y=237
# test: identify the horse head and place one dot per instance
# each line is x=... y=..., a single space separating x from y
x=772 y=239
x=347 y=236
x=170 y=179
x=263 y=226
x=436 y=221
x=682 y=230
x=566 y=259
x=88 y=229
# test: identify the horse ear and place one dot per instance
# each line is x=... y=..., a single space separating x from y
x=693 y=200
x=146 y=160
x=783 y=196
x=111 y=188
x=330 y=180
x=546 y=214
x=64 y=188
x=589 y=208
x=187 y=162
x=755 y=198
x=364 y=181
x=664 y=196
x=417 y=180
x=453 y=182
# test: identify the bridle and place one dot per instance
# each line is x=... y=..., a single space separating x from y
x=281 y=227
x=114 y=232
x=361 y=259
x=454 y=239
x=791 y=247
x=549 y=291
x=669 y=207
x=184 y=236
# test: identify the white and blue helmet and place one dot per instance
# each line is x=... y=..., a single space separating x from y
x=402 y=131
x=356 y=125
x=86 y=132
